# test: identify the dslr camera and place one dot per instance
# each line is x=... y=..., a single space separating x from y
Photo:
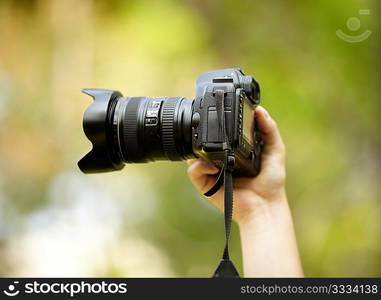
x=143 y=129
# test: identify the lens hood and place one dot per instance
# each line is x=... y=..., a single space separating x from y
x=97 y=125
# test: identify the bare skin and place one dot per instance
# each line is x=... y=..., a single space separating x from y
x=261 y=210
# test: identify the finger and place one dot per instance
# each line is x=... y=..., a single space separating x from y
x=270 y=134
x=202 y=175
x=201 y=168
x=191 y=161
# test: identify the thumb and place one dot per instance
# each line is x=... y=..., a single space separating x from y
x=273 y=147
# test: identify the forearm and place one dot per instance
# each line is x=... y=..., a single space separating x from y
x=268 y=240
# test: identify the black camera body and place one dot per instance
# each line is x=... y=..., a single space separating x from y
x=142 y=129
x=241 y=95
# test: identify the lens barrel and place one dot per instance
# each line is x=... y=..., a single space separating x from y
x=135 y=130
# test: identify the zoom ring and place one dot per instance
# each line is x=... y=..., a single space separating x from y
x=130 y=129
x=168 y=128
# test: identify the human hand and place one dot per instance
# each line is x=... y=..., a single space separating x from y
x=250 y=194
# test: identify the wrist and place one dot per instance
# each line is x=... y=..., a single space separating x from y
x=264 y=210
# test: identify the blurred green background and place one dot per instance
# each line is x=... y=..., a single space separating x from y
x=148 y=220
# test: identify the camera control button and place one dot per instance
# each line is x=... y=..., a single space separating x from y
x=195 y=119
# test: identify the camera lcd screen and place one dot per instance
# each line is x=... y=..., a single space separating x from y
x=247 y=121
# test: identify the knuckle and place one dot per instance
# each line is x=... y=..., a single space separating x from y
x=190 y=170
x=273 y=123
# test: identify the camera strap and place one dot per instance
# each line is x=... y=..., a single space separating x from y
x=225 y=177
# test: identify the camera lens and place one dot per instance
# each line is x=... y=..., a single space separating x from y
x=149 y=129
x=135 y=130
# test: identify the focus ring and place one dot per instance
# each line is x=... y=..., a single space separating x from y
x=168 y=128
x=130 y=129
